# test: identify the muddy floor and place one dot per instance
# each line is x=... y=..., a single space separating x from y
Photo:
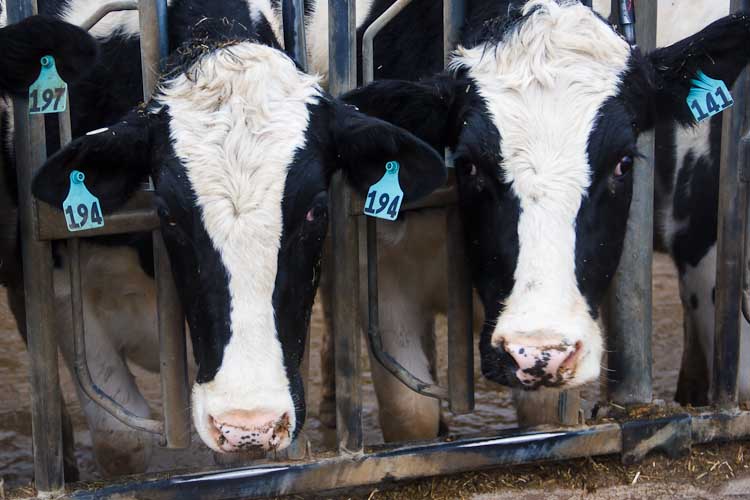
x=493 y=403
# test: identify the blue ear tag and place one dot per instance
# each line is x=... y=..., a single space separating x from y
x=385 y=196
x=48 y=94
x=82 y=209
x=708 y=97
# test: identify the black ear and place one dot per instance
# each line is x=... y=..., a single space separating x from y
x=115 y=160
x=22 y=46
x=363 y=145
x=721 y=51
x=427 y=109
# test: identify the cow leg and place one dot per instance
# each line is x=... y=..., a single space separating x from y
x=693 y=382
x=697 y=296
x=407 y=334
x=17 y=304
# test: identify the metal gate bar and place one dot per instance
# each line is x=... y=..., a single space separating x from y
x=344 y=234
x=30 y=148
x=460 y=299
x=630 y=303
x=396 y=463
x=731 y=227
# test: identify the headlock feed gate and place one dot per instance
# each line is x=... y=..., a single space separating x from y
x=629 y=316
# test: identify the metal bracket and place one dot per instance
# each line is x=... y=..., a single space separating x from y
x=671 y=435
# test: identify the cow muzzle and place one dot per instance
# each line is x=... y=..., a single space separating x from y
x=242 y=430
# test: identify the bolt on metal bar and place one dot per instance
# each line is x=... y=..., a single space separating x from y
x=293 y=20
x=342 y=45
x=630 y=296
x=105 y=9
x=30 y=149
x=732 y=200
x=373 y=329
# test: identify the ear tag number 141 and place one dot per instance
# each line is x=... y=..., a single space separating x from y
x=708 y=97
x=48 y=94
x=385 y=196
x=81 y=208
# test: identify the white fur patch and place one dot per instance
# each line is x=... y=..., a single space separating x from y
x=544 y=86
x=235 y=125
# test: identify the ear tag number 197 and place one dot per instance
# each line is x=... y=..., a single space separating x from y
x=708 y=97
x=81 y=208
x=385 y=196
x=48 y=94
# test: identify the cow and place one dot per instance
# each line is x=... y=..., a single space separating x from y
x=686 y=201
x=542 y=123
x=241 y=146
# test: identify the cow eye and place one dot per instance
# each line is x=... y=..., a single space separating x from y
x=318 y=209
x=624 y=166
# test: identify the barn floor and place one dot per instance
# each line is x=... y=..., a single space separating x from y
x=703 y=475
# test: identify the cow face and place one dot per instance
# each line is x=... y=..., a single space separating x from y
x=241 y=147
x=543 y=114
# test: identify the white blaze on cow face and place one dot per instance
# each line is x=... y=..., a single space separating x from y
x=544 y=86
x=235 y=125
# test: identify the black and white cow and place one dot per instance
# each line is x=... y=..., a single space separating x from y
x=687 y=202
x=542 y=110
x=241 y=146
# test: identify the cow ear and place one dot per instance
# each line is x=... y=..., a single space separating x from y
x=427 y=109
x=115 y=161
x=26 y=42
x=720 y=51
x=363 y=145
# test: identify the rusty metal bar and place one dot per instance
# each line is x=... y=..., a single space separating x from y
x=136 y=215
x=105 y=9
x=170 y=316
x=30 y=148
x=344 y=233
x=293 y=20
x=460 y=306
x=629 y=319
x=634 y=439
x=729 y=267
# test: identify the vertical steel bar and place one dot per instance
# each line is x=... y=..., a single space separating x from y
x=344 y=232
x=629 y=319
x=293 y=19
x=170 y=317
x=37 y=272
x=460 y=307
x=732 y=199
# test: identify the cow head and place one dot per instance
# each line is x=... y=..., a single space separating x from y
x=241 y=146
x=542 y=113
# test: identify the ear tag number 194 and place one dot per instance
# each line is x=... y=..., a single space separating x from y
x=48 y=94
x=708 y=97
x=385 y=196
x=81 y=208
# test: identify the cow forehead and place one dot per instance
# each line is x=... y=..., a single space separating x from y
x=237 y=119
x=543 y=84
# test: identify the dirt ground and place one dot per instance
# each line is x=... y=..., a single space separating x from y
x=709 y=471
